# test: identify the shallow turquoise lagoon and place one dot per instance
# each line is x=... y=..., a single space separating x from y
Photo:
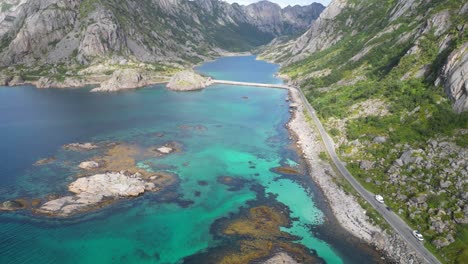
x=224 y=130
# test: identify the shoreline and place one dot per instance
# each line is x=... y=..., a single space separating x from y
x=349 y=214
x=44 y=82
x=345 y=207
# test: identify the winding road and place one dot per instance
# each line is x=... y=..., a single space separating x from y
x=393 y=219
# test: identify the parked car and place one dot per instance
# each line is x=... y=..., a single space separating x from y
x=418 y=235
x=379 y=198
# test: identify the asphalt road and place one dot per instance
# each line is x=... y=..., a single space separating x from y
x=393 y=219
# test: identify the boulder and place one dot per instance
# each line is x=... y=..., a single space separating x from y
x=445 y=184
x=380 y=139
x=88 y=165
x=366 y=165
x=165 y=150
x=407 y=157
x=440 y=242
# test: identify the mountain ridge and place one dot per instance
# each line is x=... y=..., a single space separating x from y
x=389 y=82
x=162 y=27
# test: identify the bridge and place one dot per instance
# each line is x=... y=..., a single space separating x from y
x=392 y=218
x=265 y=85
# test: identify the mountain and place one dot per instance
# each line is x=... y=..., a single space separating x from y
x=151 y=31
x=389 y=79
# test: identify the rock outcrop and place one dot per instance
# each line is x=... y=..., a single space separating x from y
x=98 y=190
x=270 y=18
x=282 y=258
x=454 y=78
x=123 y=79
x=188 y=81
x=321 y=34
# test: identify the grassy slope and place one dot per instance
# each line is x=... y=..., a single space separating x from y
x=381 y=70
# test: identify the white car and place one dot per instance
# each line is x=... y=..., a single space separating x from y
x=379 y=198
x=418 y=235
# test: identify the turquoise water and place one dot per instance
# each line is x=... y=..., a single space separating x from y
x=241 y=69
x=163 y=227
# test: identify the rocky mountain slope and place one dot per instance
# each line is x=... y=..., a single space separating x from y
x=389 y=80
x=78 y=33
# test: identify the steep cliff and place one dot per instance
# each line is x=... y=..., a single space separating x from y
x=85 y=31
x=269 y=17
x=423 y=31
x=389 y=80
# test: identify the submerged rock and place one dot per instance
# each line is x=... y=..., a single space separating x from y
x=80 y=146
x=13 y=205
x=287 y=170
x=44 y=161
x=233 y=183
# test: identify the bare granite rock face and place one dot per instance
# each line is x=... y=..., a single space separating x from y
x=102 y=37
x=37 y=26
x=281 y=258
x=321 y=34
x=188 y=81
x=123 y=79
x=91 y=191
x=403 y=8
x=270 y=17
x=454 y=78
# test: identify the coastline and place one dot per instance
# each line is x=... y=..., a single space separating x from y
x=137 y=79
x=345 y=207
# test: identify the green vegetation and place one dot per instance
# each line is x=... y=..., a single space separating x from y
x=87 y=6
x=5 y=7
x=5 y=42
x=391 y=68
x=323 y=156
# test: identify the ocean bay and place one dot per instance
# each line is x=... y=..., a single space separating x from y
x=232 y=138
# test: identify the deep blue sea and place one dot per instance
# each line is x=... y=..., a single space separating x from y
x=237 y=127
